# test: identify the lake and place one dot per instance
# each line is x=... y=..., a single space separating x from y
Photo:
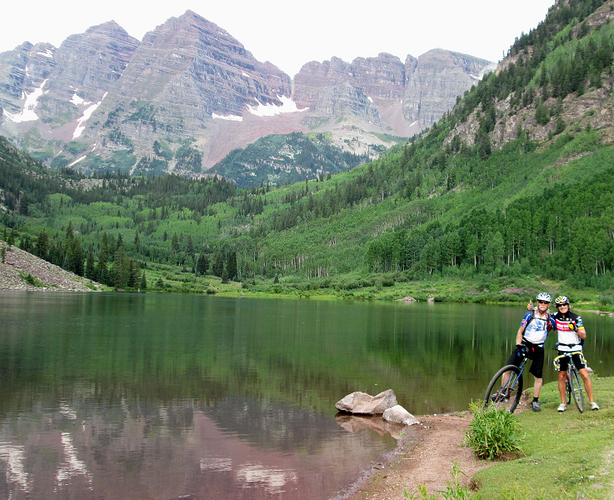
x=147 y=396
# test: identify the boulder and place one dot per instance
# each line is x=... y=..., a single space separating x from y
x=364 y=404
x=407 y=299
x=399 y=415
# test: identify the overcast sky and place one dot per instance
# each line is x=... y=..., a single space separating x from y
x=290 y=34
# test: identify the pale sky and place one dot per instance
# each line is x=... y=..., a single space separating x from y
x=290 y=34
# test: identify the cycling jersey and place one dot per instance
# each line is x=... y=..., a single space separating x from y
x=567 y=328
x=536 y=328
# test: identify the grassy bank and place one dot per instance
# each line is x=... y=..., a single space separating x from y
x=565 y=455
x=391 y=286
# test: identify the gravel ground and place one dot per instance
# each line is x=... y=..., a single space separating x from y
x=425 y=459
x=17 y=264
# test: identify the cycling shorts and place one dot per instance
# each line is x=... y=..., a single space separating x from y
x=536 y=353
x=578 y=359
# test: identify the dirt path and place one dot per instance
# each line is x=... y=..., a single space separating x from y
x=424 y=457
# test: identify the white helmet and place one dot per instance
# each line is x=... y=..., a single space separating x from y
x=544 y=297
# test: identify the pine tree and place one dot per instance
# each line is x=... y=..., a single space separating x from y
x=231 y=266
x=202 y=265
x=102 y=272
x=42 y=245
x=77 y=259
x=90 y=268
x=218 y=264
x=120 y=271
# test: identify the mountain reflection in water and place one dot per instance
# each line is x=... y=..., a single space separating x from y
x=183 y=450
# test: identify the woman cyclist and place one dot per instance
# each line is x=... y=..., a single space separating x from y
x=571 y=337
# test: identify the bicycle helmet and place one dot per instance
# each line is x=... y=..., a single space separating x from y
x=544 y=297
x=561 y=300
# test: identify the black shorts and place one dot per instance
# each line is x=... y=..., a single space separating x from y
x=536 y=353
x=578 y=359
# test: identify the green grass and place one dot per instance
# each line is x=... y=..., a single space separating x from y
x=565 y=455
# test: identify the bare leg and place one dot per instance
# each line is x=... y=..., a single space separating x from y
x=588 y=385
x=563 y=386
x=538 y=386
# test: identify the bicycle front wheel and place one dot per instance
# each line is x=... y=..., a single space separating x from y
x=576 y=388
x=505 y=389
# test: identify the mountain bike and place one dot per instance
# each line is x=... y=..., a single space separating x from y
x=573 y=382
x=505 y=388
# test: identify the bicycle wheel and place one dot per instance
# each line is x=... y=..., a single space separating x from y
x=505 y=396
x=576 y=388
x=568 y=389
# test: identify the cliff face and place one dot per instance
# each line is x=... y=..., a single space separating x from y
x=406 y=96
x=189 y=93
x=21 y=71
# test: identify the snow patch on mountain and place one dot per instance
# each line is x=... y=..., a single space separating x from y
x=27 y=113
x=232 y=118
x=288 y=106
x=86 y=116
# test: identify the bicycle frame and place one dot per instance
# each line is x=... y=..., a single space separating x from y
x=573 y=383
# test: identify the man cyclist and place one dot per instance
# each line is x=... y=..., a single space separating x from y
x=571 y=335
x=530 y=338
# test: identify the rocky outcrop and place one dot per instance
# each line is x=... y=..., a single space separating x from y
x=435 y=80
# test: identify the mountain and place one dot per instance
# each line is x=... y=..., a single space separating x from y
x=189 y=93
x=286 y=159
x=515 y=180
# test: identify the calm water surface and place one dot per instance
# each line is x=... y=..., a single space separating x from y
x=142 y=396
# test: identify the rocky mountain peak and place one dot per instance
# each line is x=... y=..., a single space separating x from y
x=91 y=62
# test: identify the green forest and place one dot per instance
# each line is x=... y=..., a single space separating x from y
x=438 y=208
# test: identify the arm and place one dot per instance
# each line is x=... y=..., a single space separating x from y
x=519 y=335
x=581 y=332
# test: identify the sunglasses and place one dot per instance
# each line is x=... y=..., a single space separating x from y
x=562 y=305
x=542 y=302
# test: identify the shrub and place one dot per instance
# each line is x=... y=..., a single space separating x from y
x=31 y=280
x=454 y=490
x=492 y=432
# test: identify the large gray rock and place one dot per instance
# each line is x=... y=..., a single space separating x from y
x=399 y=415
x=364 y=404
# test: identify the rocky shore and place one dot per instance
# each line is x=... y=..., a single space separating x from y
x=425 y=457
x=21 y=270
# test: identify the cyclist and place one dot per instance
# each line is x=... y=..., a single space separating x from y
x=571 y=337
x=530 y=338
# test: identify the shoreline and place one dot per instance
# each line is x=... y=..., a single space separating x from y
x=425 y=457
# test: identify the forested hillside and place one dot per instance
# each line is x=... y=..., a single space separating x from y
x=516 y=180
